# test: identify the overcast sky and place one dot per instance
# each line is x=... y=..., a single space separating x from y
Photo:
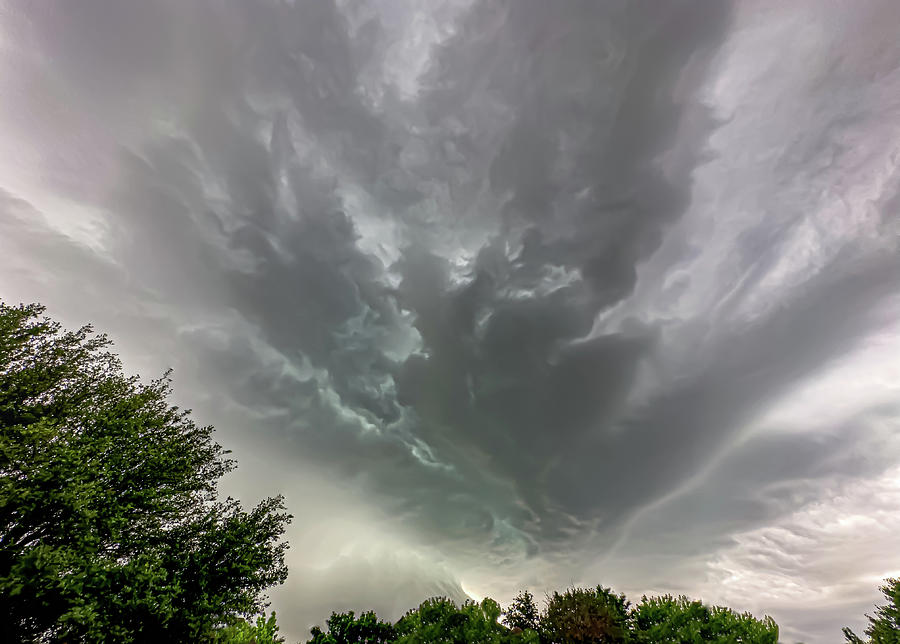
x=500 y=294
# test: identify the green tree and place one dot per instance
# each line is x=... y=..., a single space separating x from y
x=242 y=631
x=523 y=612
x=439 y=620
x=346 y=628
x=583 y=615
x=110 y=523
x=679 y=620
x=884 y=625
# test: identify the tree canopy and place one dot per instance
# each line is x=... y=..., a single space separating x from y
x=582 y=615
x=578 y=615
x=111 y=528
x=346 y=628
x=677 y=620
x=523 y=612
x=884 y=625
x=439 y=620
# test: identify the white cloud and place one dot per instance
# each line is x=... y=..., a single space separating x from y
x=817 y=569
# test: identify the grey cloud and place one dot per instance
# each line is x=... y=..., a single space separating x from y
x=770 y=476
x=498 y=371
x=675 y=434
x=310 y=279
x=385 y=582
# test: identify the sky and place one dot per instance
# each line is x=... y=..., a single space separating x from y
x=500 y=294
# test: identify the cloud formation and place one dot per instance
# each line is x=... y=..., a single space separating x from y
x=499 y=294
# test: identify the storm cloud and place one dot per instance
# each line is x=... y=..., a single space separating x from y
x=499 y=294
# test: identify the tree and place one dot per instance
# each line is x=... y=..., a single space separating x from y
x=242 y=631
x=579 y=615
x=659 y=620
x=110 y=523
x=439 y=620
x=884 y=625
x=345 y=628
x=523 y=612
x=585 y=615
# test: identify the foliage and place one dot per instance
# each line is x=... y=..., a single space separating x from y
x=345 y=628
x=439 y=620
x=264 y=631
x=659 y=620
x=110 y=527
x=884 y=625
x=585 y=615
x=523 y=612
x=578 y=615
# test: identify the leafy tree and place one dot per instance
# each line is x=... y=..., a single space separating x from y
x=439 y=620
x=345 y=628
x=884 y=625
x=659 y=620
x=585 y=615
x=578 y=615
x=852 y=637
x=110 y=527
x=264 y=631
x=523 y=612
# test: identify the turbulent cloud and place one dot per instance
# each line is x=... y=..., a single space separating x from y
x=499 y=294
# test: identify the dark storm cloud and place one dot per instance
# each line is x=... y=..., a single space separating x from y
x=497 y=380
x=674 y=435
x=576 y=190
x=464 y=296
